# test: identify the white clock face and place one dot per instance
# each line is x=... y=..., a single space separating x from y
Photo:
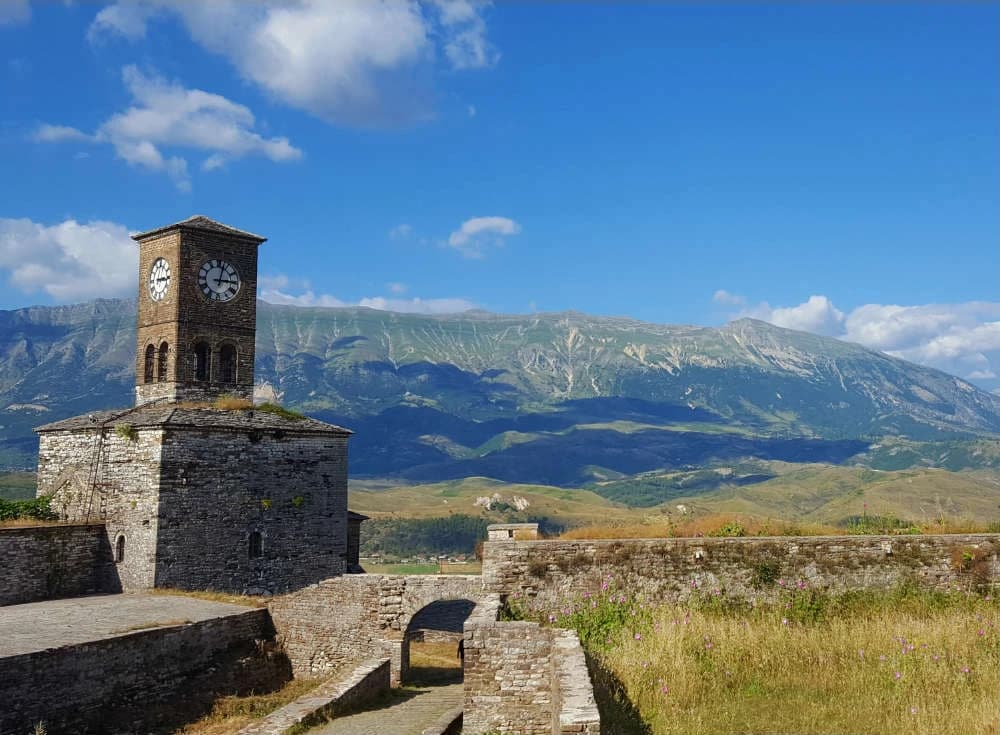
x=219 y=280
x=159 y=279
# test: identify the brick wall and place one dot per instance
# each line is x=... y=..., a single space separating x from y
x=75 y=689
x=549 y=572
x=45 y=562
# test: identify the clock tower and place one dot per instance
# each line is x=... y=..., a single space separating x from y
x=197 y=311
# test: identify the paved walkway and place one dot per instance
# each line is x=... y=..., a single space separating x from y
x=36 y=626
x=407 y=712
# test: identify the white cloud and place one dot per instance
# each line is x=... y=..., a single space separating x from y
x=358 y=62
x=280 y=290
x=476 y=234
x=14 y=12
x=397 y=287
x=962 y=339
x=165 y=114
x=400 y=232
x=722 y=296
x=69 y=261
x=59 y=134
x=471 y=109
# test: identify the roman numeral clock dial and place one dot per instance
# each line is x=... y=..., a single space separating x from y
x=218 y=280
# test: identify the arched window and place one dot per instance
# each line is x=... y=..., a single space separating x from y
x=227 y=364
x=120 y=549
x=161 y=366
x=256 y=549
x=147 y=373
x=202 y=367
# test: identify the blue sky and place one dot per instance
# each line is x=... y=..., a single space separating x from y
x=830 y=167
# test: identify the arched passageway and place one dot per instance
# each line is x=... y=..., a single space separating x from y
x=431 y=647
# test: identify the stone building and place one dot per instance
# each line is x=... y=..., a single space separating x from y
x=198 y=492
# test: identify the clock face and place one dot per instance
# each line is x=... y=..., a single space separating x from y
x=159 y=279
x=219 y=280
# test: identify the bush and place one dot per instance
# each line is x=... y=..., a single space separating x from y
x=127 y=432
x=36 y=509
x=281 y=411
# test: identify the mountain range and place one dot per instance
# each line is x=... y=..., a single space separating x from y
x=563 y=399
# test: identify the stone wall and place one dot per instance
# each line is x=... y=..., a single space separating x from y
x=219 y=487
x=368 y=682
x=125 y=496
x=344 y=620
x=45 y=562
x=549 y=572
x=523 y=678
x=75 y=689
x=576 y=710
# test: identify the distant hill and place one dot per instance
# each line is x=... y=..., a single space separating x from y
x=560 y=399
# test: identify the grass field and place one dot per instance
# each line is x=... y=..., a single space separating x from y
x=17 y=485
x=419 y=568
x=894 y=663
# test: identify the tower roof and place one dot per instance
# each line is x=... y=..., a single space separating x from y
x=200 y=222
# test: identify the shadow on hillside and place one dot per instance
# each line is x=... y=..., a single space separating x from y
x=618 y=714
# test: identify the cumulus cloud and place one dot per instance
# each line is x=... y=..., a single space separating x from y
x=280 y=289
x=355 y=62
x=68 y=261
x=476 y=234
x=164 y=115
x=962 y=339
x=14 y=12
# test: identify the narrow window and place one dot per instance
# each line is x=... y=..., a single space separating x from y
x=161 y=366
x=120 y=549
x=147 y=374
x=201 y=361
x=256 y=545
x=227 y=364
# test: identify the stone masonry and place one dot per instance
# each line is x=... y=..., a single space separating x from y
x=184 y=315
x=547 y=573
x=44 y=562
x=184 y=495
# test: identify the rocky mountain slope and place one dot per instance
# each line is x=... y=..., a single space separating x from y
x=558 y=398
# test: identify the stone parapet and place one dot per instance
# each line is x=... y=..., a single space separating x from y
x=46 y=562
x=547 y=573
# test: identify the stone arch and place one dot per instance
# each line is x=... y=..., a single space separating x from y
x=162 y=358
x=438 y=624
x=227 y=363
x=202 y=368
x=149 y=364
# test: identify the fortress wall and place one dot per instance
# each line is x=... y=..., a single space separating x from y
x=523 y=678
x=46 y=562
x=549 y=572
x=74 y=689
x=347 y=619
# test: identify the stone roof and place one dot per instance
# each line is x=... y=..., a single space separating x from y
x=200 y=222
x=352 y=516
x=175 y=417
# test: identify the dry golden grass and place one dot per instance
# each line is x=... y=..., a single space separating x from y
x=232 y=403
x=230 y=714
x=888 y=669
x=708 y=525
x=211 y=596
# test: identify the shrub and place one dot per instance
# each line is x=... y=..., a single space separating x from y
x=36 y=509
x=127 y=432
x=731 y=529
x=537 y=568
x=765 y=574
